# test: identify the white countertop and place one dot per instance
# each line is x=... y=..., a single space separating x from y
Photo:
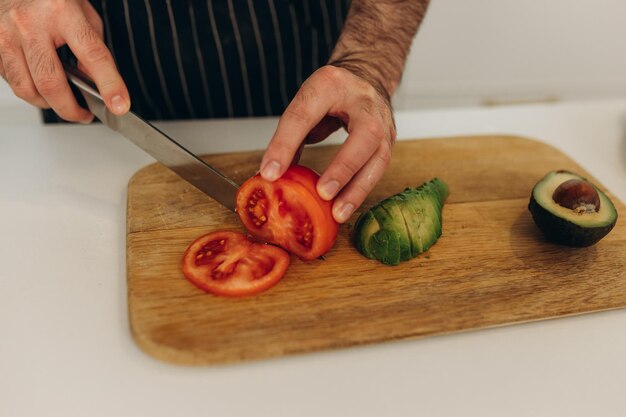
x=65 y=345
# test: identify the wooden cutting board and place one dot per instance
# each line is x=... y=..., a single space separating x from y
x=491 y=267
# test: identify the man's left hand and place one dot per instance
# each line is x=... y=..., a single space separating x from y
x=329 y=98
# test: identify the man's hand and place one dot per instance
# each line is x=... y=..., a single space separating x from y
x=330 y=98
x=354 y=90
x=30 y=33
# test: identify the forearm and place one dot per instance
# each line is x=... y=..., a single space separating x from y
x=376 y=39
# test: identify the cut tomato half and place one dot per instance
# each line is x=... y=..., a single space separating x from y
x=229 y=264
x=289 y=212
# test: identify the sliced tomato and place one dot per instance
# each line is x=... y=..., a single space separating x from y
x=289 y=212
x=229 y=264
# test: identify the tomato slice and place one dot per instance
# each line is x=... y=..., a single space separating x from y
x=229 y=264
x=289 y=213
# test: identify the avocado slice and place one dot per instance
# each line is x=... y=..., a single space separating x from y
x=431 y=228
x=413 y=216
x=403 y=225
x=422 y=214
x=391 y=243
x=398 y=224
x=365 y=227
x=571 y=211
x=374 y=239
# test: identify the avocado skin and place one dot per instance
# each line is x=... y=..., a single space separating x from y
x=403 y=225
x=561 y=231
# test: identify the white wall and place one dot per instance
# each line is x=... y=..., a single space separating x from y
x=481 y=51
x=474 y=51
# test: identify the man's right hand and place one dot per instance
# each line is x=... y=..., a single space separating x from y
x=30 y=33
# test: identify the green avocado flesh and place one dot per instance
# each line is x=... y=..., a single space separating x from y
x=403 y=225
x=566 y=226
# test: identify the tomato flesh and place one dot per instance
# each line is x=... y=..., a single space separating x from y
x=229 y=264
x=288 y=212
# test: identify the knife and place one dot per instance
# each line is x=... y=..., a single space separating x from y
x=161 y=147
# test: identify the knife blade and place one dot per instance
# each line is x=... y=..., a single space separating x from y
x=160 y=146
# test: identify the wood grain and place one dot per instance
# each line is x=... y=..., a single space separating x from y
x=491 y=267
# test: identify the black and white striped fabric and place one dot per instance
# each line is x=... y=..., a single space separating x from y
x=186 y=59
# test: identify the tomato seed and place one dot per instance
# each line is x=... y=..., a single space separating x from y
x=256 y=207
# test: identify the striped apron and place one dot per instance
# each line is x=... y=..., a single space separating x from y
x=188 y=59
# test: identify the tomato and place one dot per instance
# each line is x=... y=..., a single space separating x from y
x=307 y=177
x=229 y=264
x=289 y=212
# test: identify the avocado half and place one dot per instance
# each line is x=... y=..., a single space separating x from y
x=578 y=217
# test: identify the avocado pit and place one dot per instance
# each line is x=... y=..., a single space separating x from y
x=577 y=195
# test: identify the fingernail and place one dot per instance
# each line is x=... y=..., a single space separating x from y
x=87 y=120
x=271 y=171
x=344 y=212
x=119 y=105
x=328 y=190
